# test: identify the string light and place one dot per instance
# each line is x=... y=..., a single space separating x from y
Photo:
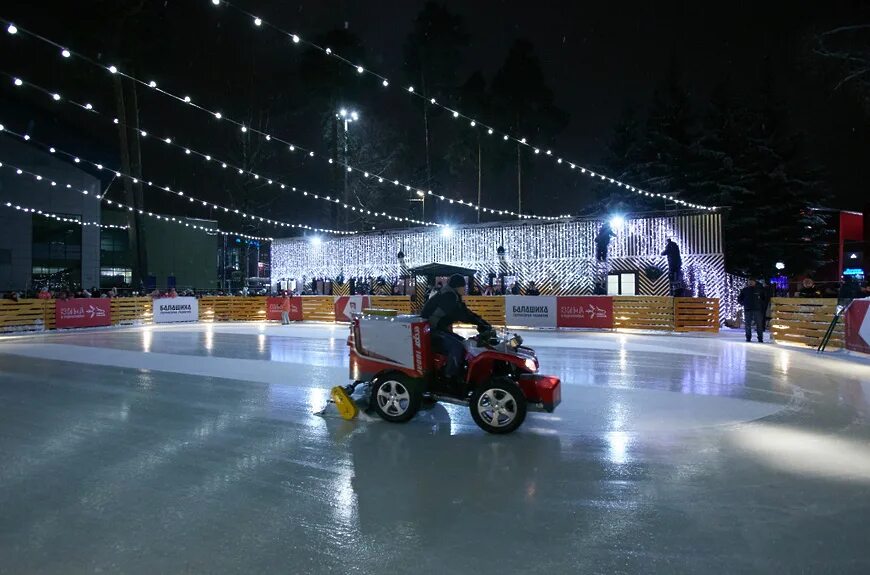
x=411 y=91
x=50 y=215
x=101 y=198
x=349 y=167
x=191 y=199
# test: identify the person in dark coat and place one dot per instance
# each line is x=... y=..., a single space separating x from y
x=533 y=289
x=809 y=289
x=602 y=241
x=753 y=298
x=442 y=311
x=515 y=289
x=675 y=263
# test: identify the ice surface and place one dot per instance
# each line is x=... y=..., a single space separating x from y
x=194 y=448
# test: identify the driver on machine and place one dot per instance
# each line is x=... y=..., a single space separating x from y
x=442 y=311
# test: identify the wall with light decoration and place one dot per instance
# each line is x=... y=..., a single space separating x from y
x=558 y=256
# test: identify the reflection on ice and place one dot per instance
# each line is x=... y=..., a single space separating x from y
x=146 y=339
x=807 y=453
x=617 y=446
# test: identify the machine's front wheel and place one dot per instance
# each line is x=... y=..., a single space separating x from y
x=396 y=398
x=498 y=406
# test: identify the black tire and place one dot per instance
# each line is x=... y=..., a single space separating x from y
x=510 y=406
x=396 y=397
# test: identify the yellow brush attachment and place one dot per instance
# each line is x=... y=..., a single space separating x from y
x=347 y=408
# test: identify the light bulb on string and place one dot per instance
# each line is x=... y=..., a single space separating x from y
x=328 y=51
x=17 y=82
x=65 y=53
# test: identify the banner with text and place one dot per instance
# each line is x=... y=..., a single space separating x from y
x=83 y=312
x=176 y=309
x=858 y=326
x=585 y=311
x=530 y=311
x=347 y=305
x=275 y=305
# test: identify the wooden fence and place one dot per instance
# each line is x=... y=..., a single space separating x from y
x=25 y=315
x=804 y=321
x=318 y=308
x=643 y=312
x=696 y=314
x=129 y=310
x=631 y=312
x=401 y=304
x=492 y=309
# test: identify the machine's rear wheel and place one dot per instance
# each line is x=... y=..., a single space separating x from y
x=498 y=406
x=396 y=397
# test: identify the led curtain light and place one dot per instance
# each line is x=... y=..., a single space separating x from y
x=292 y=147
x=169 y=141
x=471 y=123
x=191 y=199
x=100 y=198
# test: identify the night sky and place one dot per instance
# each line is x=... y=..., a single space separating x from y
x=597 y=58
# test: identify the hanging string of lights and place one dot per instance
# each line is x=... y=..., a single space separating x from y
x=53 y=216
x=470 y=122
x=212 y=160
x=290 y=146
x=166 y=189
x=101 y=198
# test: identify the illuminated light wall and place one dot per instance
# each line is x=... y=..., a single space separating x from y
x=559 y=257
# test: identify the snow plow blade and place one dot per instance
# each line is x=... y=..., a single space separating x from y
x=346 y=407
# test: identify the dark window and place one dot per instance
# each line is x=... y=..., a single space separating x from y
x=57 y=253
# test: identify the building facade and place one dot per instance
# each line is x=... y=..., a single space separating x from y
x=559 y=256
x=34 y=249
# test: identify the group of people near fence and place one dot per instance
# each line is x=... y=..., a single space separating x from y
x=756 y=299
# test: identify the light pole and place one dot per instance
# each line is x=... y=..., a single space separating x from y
x=348 y=117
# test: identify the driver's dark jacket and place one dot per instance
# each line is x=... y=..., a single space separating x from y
x=446 y=308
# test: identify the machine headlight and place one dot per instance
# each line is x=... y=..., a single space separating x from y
x=531 y=365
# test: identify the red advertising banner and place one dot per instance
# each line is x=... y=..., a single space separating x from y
x=858 y=326
x=347 y=305
x=585 y=311
x=83 y=312
x=275 y=305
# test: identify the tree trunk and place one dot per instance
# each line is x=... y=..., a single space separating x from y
x=479 y=177
x=134 y=231
x=426 y=139
x=519 y=180
x=336 y=182
x=132 y=118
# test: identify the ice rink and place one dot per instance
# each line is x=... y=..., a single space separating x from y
x=194 y=449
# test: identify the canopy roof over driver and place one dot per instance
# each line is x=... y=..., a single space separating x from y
x=435 y=270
